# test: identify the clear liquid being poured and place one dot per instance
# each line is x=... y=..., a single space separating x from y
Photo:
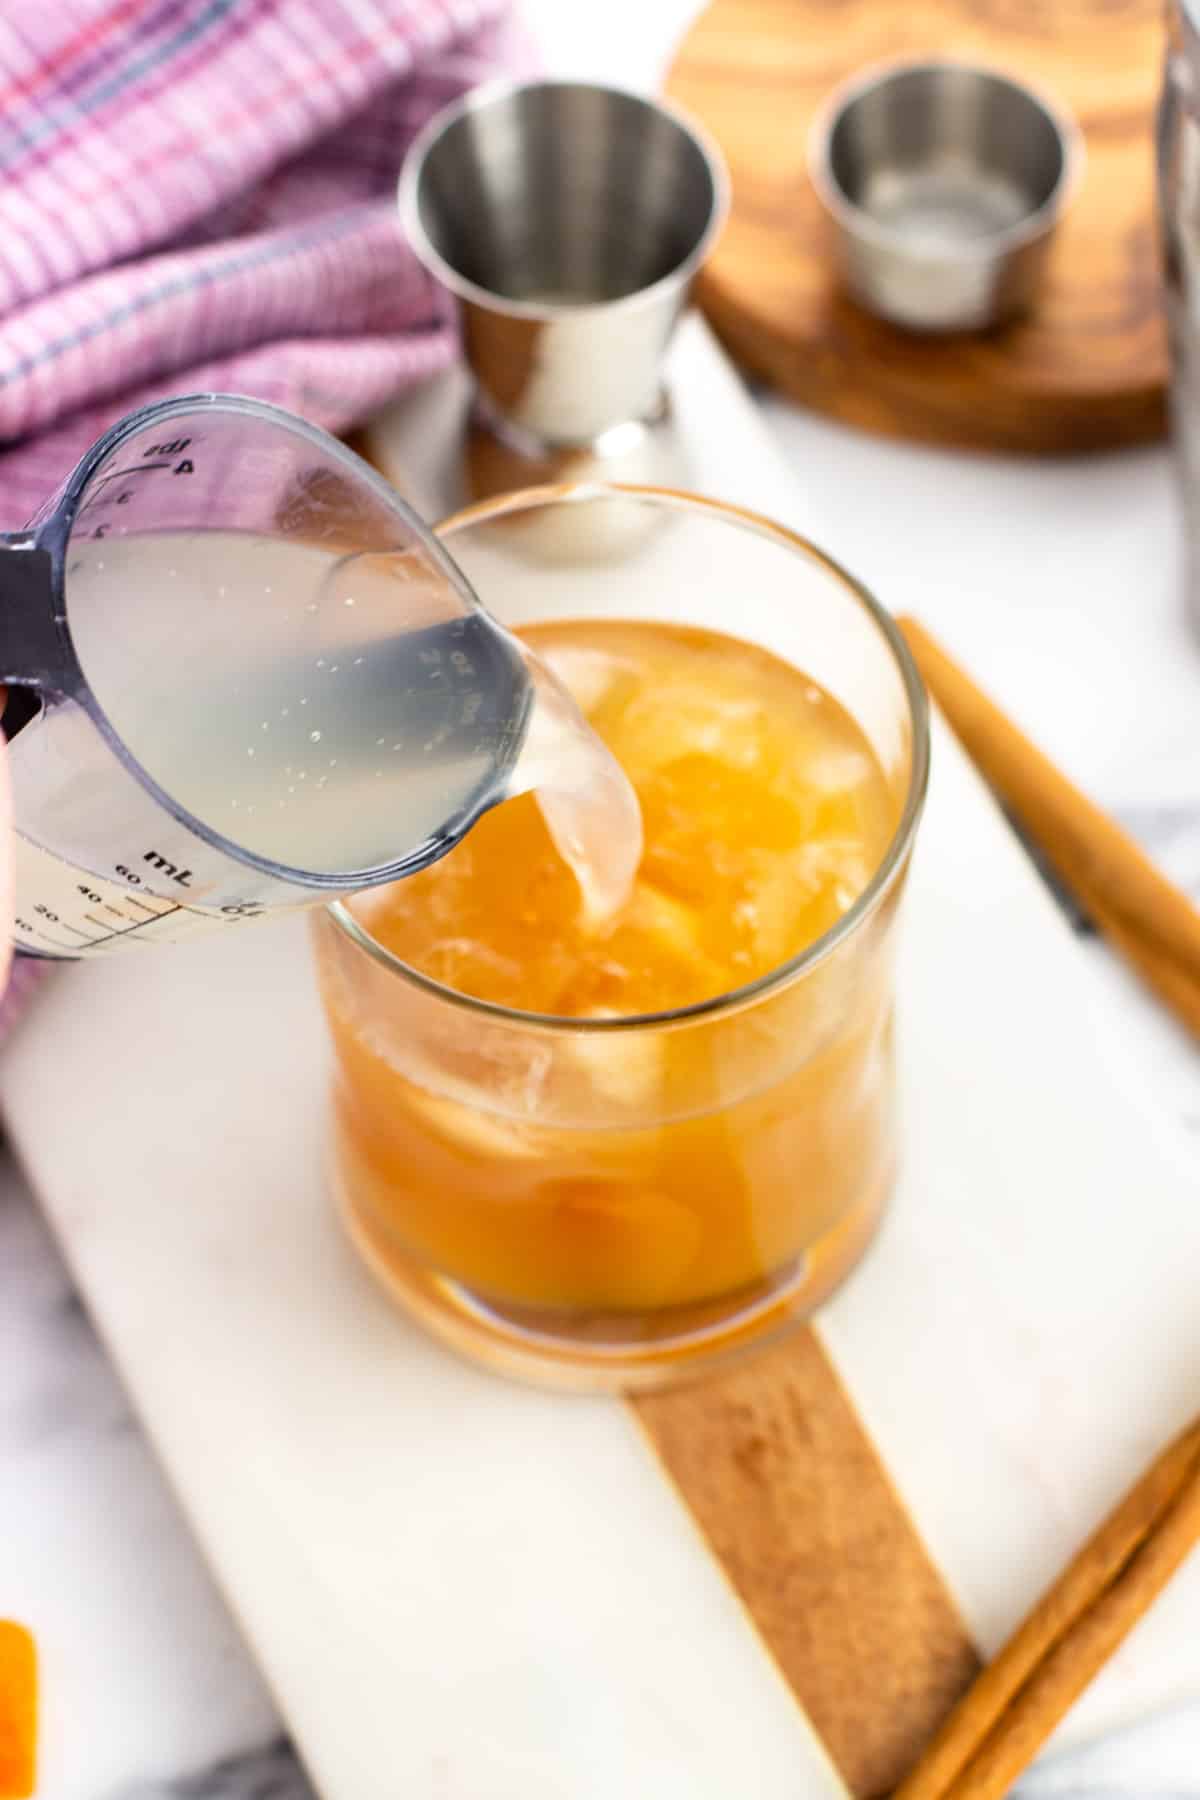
x=583 y=794
x=765 y=814
x=335 y=712
x=585 y=797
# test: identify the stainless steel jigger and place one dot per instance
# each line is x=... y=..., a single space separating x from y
x=944 y=182
x=569 y=219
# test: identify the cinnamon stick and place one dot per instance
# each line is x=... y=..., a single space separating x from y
x=1171 y=984
x=1015 y=1704
x=1113 y=877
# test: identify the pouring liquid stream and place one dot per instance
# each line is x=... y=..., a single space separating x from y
x=584 y=796
x=340 y=743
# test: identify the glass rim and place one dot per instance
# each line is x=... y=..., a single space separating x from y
x=890 y=864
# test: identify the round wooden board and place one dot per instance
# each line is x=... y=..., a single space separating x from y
x=1086 y=369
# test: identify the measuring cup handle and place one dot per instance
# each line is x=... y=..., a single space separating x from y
x=34 y=646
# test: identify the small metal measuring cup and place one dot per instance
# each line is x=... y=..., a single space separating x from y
x=569 y=219
x=944 y=182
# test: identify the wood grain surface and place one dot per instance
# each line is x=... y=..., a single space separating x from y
x=791 y=1496
x=1085 y=369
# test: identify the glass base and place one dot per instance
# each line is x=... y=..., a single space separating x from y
x=596 y=1353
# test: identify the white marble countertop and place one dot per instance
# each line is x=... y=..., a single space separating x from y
x=1059 y=585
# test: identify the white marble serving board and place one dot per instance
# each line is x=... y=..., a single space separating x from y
x=461 y=1590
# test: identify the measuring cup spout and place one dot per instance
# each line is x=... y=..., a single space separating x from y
x=33 y=645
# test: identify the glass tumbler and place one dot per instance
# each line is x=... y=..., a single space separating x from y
x=616 y=1203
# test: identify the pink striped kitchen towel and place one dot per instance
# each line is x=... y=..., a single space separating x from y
x=199 y=195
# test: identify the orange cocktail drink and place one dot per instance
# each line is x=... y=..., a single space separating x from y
x=603 y=1148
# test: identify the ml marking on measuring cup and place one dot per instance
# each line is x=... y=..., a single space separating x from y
x=96 y=914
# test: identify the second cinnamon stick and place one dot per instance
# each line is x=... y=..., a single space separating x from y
x=1091 y=853
x=1014 y=1705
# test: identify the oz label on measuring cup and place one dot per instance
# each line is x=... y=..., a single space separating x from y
x=63 y=911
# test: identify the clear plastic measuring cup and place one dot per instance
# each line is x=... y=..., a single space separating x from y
x=261 y=682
